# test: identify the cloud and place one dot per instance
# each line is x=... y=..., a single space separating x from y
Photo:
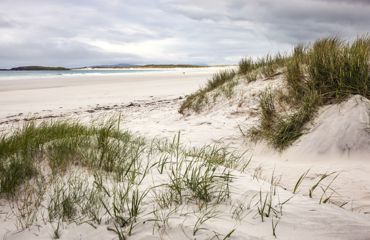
x=89 y=32
x=366 y=2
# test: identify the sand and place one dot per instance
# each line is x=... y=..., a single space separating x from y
x=71 y=92
x=148 y=103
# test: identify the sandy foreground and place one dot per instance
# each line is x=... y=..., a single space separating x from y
x=148 y=104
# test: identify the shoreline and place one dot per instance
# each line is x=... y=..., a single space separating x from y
x=102 y=72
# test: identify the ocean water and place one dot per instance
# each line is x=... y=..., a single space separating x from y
x=45 y=74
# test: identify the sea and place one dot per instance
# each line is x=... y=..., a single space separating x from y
x=67 y=73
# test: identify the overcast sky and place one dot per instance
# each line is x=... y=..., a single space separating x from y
x=76 y=33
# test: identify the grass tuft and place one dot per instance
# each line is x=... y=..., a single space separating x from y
x=338 y=69
x=199 y=99
x=280 y=130
x=64 y=144
x=327 y=72
x=246 y=65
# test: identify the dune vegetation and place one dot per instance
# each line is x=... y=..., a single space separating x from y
x=196 y=100
x=325 y=72
x=78 y=173
x=64 y=172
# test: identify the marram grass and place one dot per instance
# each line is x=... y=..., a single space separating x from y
x=327 y=71
x=199 y=99
x=65 y=172
x=63 y=144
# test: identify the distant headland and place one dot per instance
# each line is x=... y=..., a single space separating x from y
x=116 y=66
x=37 y=68
x=123 y=66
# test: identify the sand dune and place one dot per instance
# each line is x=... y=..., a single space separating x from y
x=341 y=129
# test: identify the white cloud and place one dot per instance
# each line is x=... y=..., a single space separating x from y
x=148 y=49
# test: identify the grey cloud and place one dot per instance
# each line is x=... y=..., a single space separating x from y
x=4 y=23
x=292 y=21
x=347 y=1
x=83 y=32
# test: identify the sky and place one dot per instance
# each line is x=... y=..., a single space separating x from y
x=76 y=33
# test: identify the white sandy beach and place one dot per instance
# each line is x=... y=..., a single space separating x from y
x=149 y=102
x=31 y=95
